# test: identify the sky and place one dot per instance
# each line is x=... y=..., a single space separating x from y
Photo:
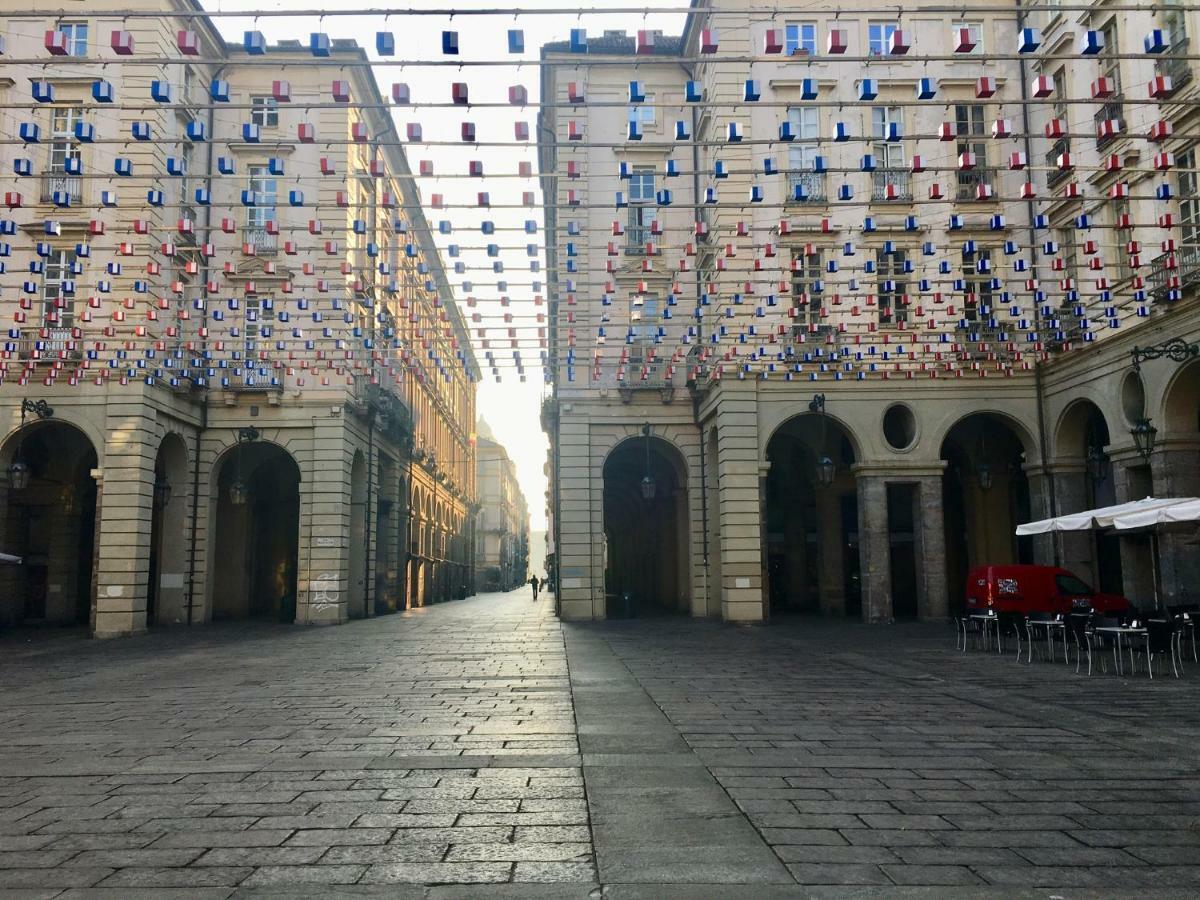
x=509 y=402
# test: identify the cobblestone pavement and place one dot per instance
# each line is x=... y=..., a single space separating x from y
x=480 y=749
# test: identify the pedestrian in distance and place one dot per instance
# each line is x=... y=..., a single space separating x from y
x=533 y=583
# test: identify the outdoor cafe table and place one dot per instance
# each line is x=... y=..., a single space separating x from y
x=1050 y=625
x=1118 y=631
x=985 y=618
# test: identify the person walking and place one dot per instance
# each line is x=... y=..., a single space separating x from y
x=533 y=583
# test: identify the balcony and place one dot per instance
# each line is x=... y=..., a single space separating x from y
x=812 y=185
x=1114 y=109
x=898 y=179
x=57 y=181
x=1187 y=270
x=265 y=243
x=635 y=240
x=54 y=346
x=1175 y=65
x=187 y=212
x=969 y=181
x=1055 y=175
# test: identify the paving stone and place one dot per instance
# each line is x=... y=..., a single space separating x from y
x=521 y=852
x=438 y=873
x=208 y=876
x=930 y=875
x=541 y=871
x=837 y=873
x=338 y=837
x=290 y=875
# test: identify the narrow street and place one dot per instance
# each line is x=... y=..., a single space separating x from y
x=480 y=748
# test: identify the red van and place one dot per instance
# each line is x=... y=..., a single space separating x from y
x=1028 y=589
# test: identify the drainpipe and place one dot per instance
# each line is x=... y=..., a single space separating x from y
x=194 y=525
x=1038 y=388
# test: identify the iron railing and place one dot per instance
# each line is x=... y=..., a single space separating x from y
x=1174 y=63
x=1114 y=109
x=1187 y=270
x=969 y=181
x=812 y=185
x=1057 y=149
x=59 y=181
x=53 y=346
x=265 y=243
x=899 y=179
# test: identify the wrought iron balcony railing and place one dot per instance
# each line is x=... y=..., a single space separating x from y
x=1174 y=63
x=899 y=180
x=1057 y=149
x=54 y=346
x=53 y=182
x=1187 y=270
x=265 y=243
x=811 y=184
x=970 y=180
x=1114 y=109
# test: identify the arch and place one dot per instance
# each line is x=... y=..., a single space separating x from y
x=1079 y=425
x=985 y=494
x=48 y=518
x=254 y=524
x=165 y=601
x=788 y=422
x=810 y=518
x=1180 y=416
x=357 y=598
x=646 y=527
x=1025 y=437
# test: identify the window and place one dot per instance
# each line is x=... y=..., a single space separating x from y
x=1069 y=255
x=891 y=170
x=186 y=152
x=1052 y=11
x=1189 y=200
x=264 y=112
x=969 y=126
x=643 y=114
x=63 y=147
x=800 y=39
x=1110 y=63
x=803 y=152
x=266 y=189
x=893 y=307
x=641 y=209
x=643 y=314
x=978 y=298
x=77 y=37
x=879 y=34
x=60 y=267
x=1120 y=207
x=1070 y=586
x=258 y=315
x=976 y=31
x=805 y=298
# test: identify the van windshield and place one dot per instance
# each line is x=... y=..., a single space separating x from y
x=1070 y=585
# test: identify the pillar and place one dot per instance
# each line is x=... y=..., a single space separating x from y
x=581 y=544
x=1077 y=548
x=1044 y=545
x=874 y=549
x=1132 y=481
x=831 y=583
x=740 y=508
x=124 y=519
x=1176 y=474
x=323 y=581
x=933 y=593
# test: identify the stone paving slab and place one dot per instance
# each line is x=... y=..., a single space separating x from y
x=482 y=749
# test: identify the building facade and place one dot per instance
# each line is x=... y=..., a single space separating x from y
x=235 y=382
x=825 y=332
x=502 y=529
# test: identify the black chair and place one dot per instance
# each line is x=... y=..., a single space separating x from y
x=1012 y=623
x=1161 y=639
x=1079 y=634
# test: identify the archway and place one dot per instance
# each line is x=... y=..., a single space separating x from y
x=1181 y=405
x=165 y=600
x=810 y=527
x=645 y=528
x=1176 y=466
x=256 y=533
x=49 y=521
x=357 y=605
x=985 y=495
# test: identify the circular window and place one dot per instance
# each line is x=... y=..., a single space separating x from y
x=1133 y=398
x=899 y=427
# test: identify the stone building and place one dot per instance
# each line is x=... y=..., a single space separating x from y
x=235 y=382
x=765 y=397
x=502 y=529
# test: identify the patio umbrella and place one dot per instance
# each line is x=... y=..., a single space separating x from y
x=10 y=559
x=1099 y=518
x=1181 y=513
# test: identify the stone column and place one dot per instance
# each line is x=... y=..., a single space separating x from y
x=1077 y=548
x=1176 y=466
x=1039 y=508
x=1132 y=481
x=123 y=536
x=831 y=583
x=933 y=594
x=874 y=548
x=740 y=509
x=325 y=510
x=580 y=551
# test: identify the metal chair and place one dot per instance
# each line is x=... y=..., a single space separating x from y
x=1013 y=623
x=1081 y=637
x=1161 y=638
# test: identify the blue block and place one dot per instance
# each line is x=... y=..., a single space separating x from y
x=786 y=132
x=275 y=166
x=385 y=43
x=254 y=43
x=1028 y=40
x=516 y=40
x=43 y=91
x=203 y=196
x=154 y=197
x=450 y=43
x=22 y=167
x=926 y=89
x=140 y=131
x=197 y=131
x=225 y=165
x=841 y=133
x=122 y=166
x=251 y=133
x=1092 y=43
x=30 y=132
x=1155 y=41
x=160 y=91
x=318 y=43
x=868 y=89
x=868 y=163
x=219 y=91
x=579 y=42
x=809 y=89
x=175 y=166
x=102 y=91
x=85 y=132
x=752 y=91
x=693 y=92
x=637 y=92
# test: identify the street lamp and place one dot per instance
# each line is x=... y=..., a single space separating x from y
x=162 y=492
x=239 y=491
x=1143 y=437
x=826 y=470
x=18 y=471
x=648 y=487
x=984 y=471
x=1096 y=463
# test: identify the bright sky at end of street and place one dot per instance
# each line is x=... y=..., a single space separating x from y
x=509 y=404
